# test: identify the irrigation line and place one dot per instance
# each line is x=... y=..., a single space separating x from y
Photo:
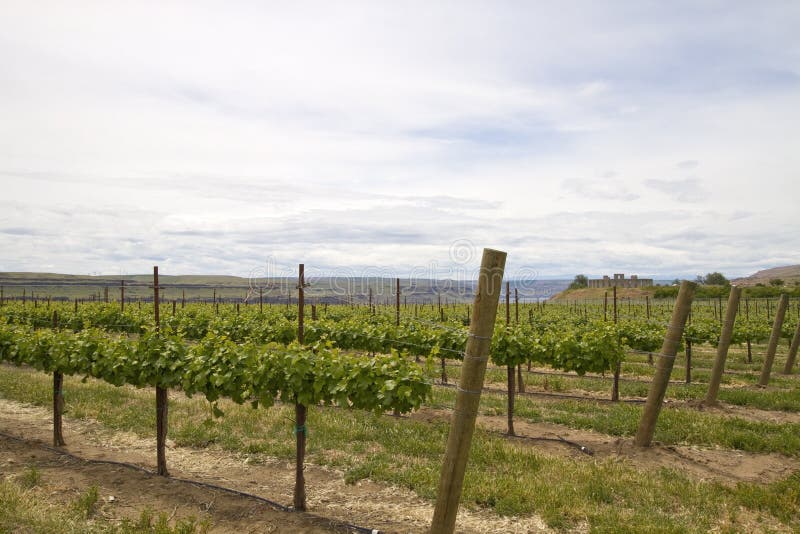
x=337 y=524
x=568 y=375
x=543 y=394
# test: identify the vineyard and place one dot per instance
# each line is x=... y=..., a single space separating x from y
x=369 y=390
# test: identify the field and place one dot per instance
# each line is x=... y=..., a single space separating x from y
x=571 y=465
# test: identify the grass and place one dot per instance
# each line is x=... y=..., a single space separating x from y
x=676 y=425
x=506 y=476
x=25 y=508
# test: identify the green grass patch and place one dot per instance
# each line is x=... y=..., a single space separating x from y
x=506 y=476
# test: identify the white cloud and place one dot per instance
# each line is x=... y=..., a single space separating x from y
x=211 y=135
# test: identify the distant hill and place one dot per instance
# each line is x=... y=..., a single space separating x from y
x=790 y=274
x=234 y=288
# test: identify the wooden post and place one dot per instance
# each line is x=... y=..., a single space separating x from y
x=468 y=394
x=162 y=406
x=792 y=350
x=260 y=300
x=666 y=360
x=605 y=305
x=773 y=340
x=397 y=303
x=371 y=309
x=510 y=370
x=183 y=298
x=722 y=346
x=58 y=399
x=300 y=410
x=122 y=295
x=688 y=360
x=520 y=381
x=618 y=366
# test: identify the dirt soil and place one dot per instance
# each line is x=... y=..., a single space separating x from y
x=331 y=501
x=366 y=504
x=725 y=466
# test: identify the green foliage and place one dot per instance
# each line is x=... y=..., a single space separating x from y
x=579 y=282
x=84 y=504
x=713 y=279
x=30 y=477
x=216 y=367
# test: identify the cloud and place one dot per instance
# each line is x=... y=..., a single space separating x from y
x=689 y=190
x=605 y=189
x=335 y=137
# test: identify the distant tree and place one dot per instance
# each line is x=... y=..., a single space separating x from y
x=777 y=282
x=713 y=279
x=579 y=282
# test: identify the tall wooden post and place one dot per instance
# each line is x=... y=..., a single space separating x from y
x=773 y=340
x=618 y=366
x=122 y=295
x=162 y=405
x=792 y=350
x=666 y=360
x=510 y=370
x=468 y=394
x=722 y=346
x=397 y=303
x=300 y=410
x=58 y=399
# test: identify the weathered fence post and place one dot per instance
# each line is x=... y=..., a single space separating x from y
x=722 y=346
x=618 y=365
x=397 y=303
x=792 y=350
x=300 y=410
x=58 y=399
x=666 y=359
x=468 y=394
x=510 y=371
x=162 y=406
x=773 y=340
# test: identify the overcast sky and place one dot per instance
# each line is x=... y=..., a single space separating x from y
x=658 y=138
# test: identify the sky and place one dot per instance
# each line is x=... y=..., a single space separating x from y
x=658 y=138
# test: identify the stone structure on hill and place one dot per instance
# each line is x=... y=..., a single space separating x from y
x=619 y=280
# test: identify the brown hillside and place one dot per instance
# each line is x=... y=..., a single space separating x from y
x=789 y=274
x=599 y=292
